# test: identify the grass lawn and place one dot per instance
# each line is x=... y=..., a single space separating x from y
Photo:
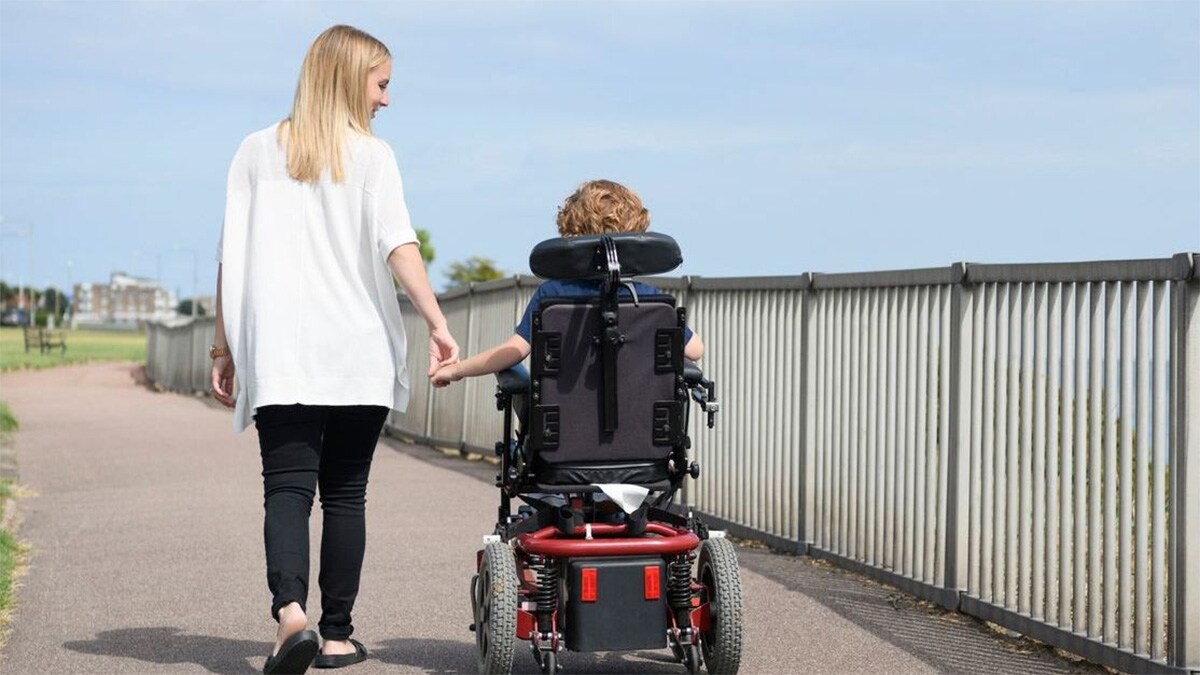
x=10 y=556
x=10 y=550
x=82 y=346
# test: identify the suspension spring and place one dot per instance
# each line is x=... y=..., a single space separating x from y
x=679 y=589
x=546 y=594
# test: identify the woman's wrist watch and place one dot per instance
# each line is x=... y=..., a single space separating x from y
x=215 y=351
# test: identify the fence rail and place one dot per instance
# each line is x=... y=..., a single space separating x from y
x=1017 y=442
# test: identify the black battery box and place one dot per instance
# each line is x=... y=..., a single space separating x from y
x=616 y=604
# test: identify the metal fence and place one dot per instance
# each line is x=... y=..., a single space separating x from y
x=177 y=354
x=1016 y=442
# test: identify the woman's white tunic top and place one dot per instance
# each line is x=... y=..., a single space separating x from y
x=309 y=306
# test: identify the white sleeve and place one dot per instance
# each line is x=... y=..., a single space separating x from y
x=392 y=225
x=237 y=190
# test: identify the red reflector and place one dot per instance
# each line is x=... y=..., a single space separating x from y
x=650 y=575
x=587 y=589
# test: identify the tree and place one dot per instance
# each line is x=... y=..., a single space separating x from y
x=184 y=308
x=475 y=268
x=54 y=301
x=427 y=250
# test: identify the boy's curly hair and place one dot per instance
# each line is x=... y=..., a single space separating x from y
x=601 y=206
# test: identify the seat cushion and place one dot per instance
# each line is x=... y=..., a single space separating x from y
x=646 y=474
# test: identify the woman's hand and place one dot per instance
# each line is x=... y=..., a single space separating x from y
x=222 y=380
x=443 y=350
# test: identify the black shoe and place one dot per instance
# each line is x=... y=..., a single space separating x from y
x=342 y=660
x=294 y=655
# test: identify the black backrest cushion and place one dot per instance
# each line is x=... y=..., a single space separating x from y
x=576 y=389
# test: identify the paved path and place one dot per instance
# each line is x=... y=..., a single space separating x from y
x=146 y=533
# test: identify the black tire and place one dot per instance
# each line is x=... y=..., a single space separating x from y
x=496 y=609
x=691 y=659
x=718 y=572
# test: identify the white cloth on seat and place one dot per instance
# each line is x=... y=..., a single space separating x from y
x=628 y=497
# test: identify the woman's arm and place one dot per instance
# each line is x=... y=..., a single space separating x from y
x=222 y=366
x=504 y=355
x=409 y=269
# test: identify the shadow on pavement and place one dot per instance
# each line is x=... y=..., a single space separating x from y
x=431 y=656
x=450 y=656
x=167 y=645
x=947 y=641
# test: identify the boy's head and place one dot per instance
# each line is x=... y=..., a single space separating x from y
x=602 y=206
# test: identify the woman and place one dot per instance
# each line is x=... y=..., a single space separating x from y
x=315 y=229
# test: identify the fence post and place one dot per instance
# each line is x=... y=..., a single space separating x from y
x=808 y=408
x=151 y=337
x=466 y=402
x=189 y=379
x=1184 y=563
x=958 y=468
x=431 y=394
x=683 y=299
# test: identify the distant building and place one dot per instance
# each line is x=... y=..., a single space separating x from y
x=18 y=300
x=124 y=300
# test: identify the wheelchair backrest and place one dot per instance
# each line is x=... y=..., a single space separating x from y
x=606 y=372
x=583 y=414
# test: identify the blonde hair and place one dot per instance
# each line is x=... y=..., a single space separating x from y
x=600 y=206
x=330 y=100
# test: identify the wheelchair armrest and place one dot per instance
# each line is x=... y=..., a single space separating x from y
x=704 y=391
x=514 y=380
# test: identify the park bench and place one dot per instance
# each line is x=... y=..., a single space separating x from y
x=45 y=339
x=54 y=339
x=33 y=338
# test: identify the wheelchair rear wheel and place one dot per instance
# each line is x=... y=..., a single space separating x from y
x=494 y=592
x=718 y=571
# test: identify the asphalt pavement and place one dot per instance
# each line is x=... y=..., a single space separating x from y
x=144 y=519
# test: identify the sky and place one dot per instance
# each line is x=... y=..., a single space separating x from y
x=769 y=138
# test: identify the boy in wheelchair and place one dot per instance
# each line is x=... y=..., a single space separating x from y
x=602 y=557
x=597 y=207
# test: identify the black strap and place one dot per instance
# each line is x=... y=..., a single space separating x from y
x=610 y=336
x=672 y=514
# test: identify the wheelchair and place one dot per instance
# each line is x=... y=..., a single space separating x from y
x=602 y=556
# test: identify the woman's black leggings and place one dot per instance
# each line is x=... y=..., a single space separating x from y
x=305 y=447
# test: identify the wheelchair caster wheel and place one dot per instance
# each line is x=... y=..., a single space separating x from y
x=691 y=658
x=549 y=664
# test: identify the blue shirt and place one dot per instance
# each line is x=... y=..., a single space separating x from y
x=578 y=289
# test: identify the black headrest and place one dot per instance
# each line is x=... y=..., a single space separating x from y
x=583 y=257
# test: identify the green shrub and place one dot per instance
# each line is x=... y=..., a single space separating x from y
x=7 y=421
x=10 y=555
